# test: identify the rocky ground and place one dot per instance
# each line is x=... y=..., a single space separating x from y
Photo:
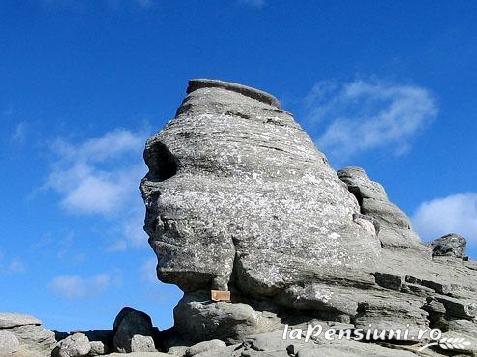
x=238 y=199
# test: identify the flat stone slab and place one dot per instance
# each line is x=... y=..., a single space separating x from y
x=11 y=320
x=247 y=91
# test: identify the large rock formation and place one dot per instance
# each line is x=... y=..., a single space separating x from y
x=238 y=198
x=24 y=335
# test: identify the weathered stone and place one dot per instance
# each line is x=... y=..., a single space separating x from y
x=449 y=245
x=133 y=331
x=76 y=345
x=200 y=320
x=240 y=177
x=394 y=226
x=98 y=348
x=35 y=339
x=205 y=346
x=8 y=342
x=140 y=343
x=10 y=320
x=238 y=198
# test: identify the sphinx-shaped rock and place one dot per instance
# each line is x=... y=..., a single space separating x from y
x=237 y=195
x=238 y=198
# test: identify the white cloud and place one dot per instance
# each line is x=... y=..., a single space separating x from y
x=351 y=118
x=11 y=265
x=452 y=214
x=253 y=3
x=77 y=287
x=131 y=232
x=100 y=175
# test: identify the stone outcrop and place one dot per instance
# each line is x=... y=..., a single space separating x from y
x=25 y=335
x=452 y=245
x=394 y=227
x=238 y=198
x=76 y=345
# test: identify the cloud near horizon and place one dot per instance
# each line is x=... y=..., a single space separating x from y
x=456 y=213
x=11 y=266
x=347 y=119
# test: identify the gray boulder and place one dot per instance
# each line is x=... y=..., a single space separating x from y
x=76 y=345
x=35 y=339
x=140 y=343
x=452 y=245
x=98 y=348
x=197 y=319
x=133 y=331
x=8 y=342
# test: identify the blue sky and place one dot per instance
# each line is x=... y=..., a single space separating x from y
x=386 y=85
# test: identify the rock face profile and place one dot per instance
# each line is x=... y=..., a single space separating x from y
x=238 y=198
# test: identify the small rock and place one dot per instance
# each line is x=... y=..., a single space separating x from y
x=76 y=345
x=449 y=245
x=8 y=342
x=141 y=343
x=98 y=348
x=205 y=346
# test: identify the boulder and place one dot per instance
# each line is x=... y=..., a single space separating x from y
x=140 y=343
x=98 y=348
x=199 y=320
x=133 y=331
x=75 y=345
x=8 y=342
x=452 y=245
x=35 y=339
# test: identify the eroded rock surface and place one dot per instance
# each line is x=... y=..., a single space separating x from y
x=24 y=335
x=450 y=245
x=238 y=198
